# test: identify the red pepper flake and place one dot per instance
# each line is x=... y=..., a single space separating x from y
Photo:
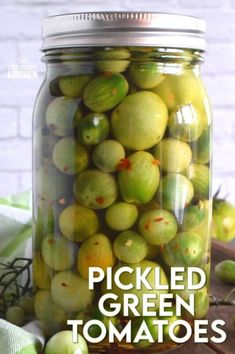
x=156 y=162
x=66 y=168
x=124 y=164
x=166 y=222
x=108 y=73
x=96 y=243
x=114 y=91
x=171 y=98
x=50 y=241
x=146 y=226
x=88 y=258
x=161 y=248
x=159 y=219
x=177 y=246
x=100 y=200
x=64 y=285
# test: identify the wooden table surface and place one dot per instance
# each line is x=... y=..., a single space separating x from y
x=219 y=252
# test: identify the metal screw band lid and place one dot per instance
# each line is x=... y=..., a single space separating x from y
x=123 y=29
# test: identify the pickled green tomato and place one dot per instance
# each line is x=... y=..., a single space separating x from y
x=105 y=92
x=41 y=272
x=194 y=217
x=52 y=318
x=74 y=86
x=152 y=328
x=146 y=75
x=127 y=278
x=78 y=222
x=70 y=291
x=58 y=253
x=27 y=304
x=61 y=114
x=139 y=122
x=199 y=175
x=175 y=192
x=130 y=247
x=112 y=53
x=177 y=90
x=114 y=66
x=185 y=123
x=15 y=315
x=202 y=148
x=108 y=155
x=174 y=155
x=44 y=143
x=185 y=250
x=95 y=189
x=138 y=177
x=202 y=303
x=185 y=293
x=69 y=156
x=50 y=184
x=158 y=226
x=93 y=128
x=96 y=251
x=62 y=343
x=121 y=216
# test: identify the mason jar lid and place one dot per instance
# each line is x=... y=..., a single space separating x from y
x=123 y=29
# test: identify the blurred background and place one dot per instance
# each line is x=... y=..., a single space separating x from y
x=20 y=48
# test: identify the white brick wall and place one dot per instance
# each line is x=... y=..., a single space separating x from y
x=20 y=38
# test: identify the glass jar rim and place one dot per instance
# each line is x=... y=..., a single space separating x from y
x=102 y=29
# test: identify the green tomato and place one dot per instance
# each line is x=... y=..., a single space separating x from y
x=113 y=53
x=114 y=66
x=61 y=115
x=177 y=90
x=223 y=220
x=78 y=222
x=105 y=92
x=186 y=292
x=108 y=155
x=175 y=192
x=127 y=278
x=71 y=292
x=194 y=217
x=93 y=128
x=200 y=176
x=74 y=86
x=51 y=185
x=146 y=75
x=138 y=177
x=121 y=216
x=62 y=343
x=15 y=315
x=152 y=328
x=158 y=226
x=69 y=156
x=202 y=148
x=130 y=247
x=174 y=155
x=27 y=304
x=52 y=318
x=42 y=274
x=139 y=122
x=185 y=250
x=58 y=253
x=185 y=123
x=95 y=189
x=225 y=271
x=96 y=251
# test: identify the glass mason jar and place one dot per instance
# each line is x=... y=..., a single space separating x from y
x=122 y=172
